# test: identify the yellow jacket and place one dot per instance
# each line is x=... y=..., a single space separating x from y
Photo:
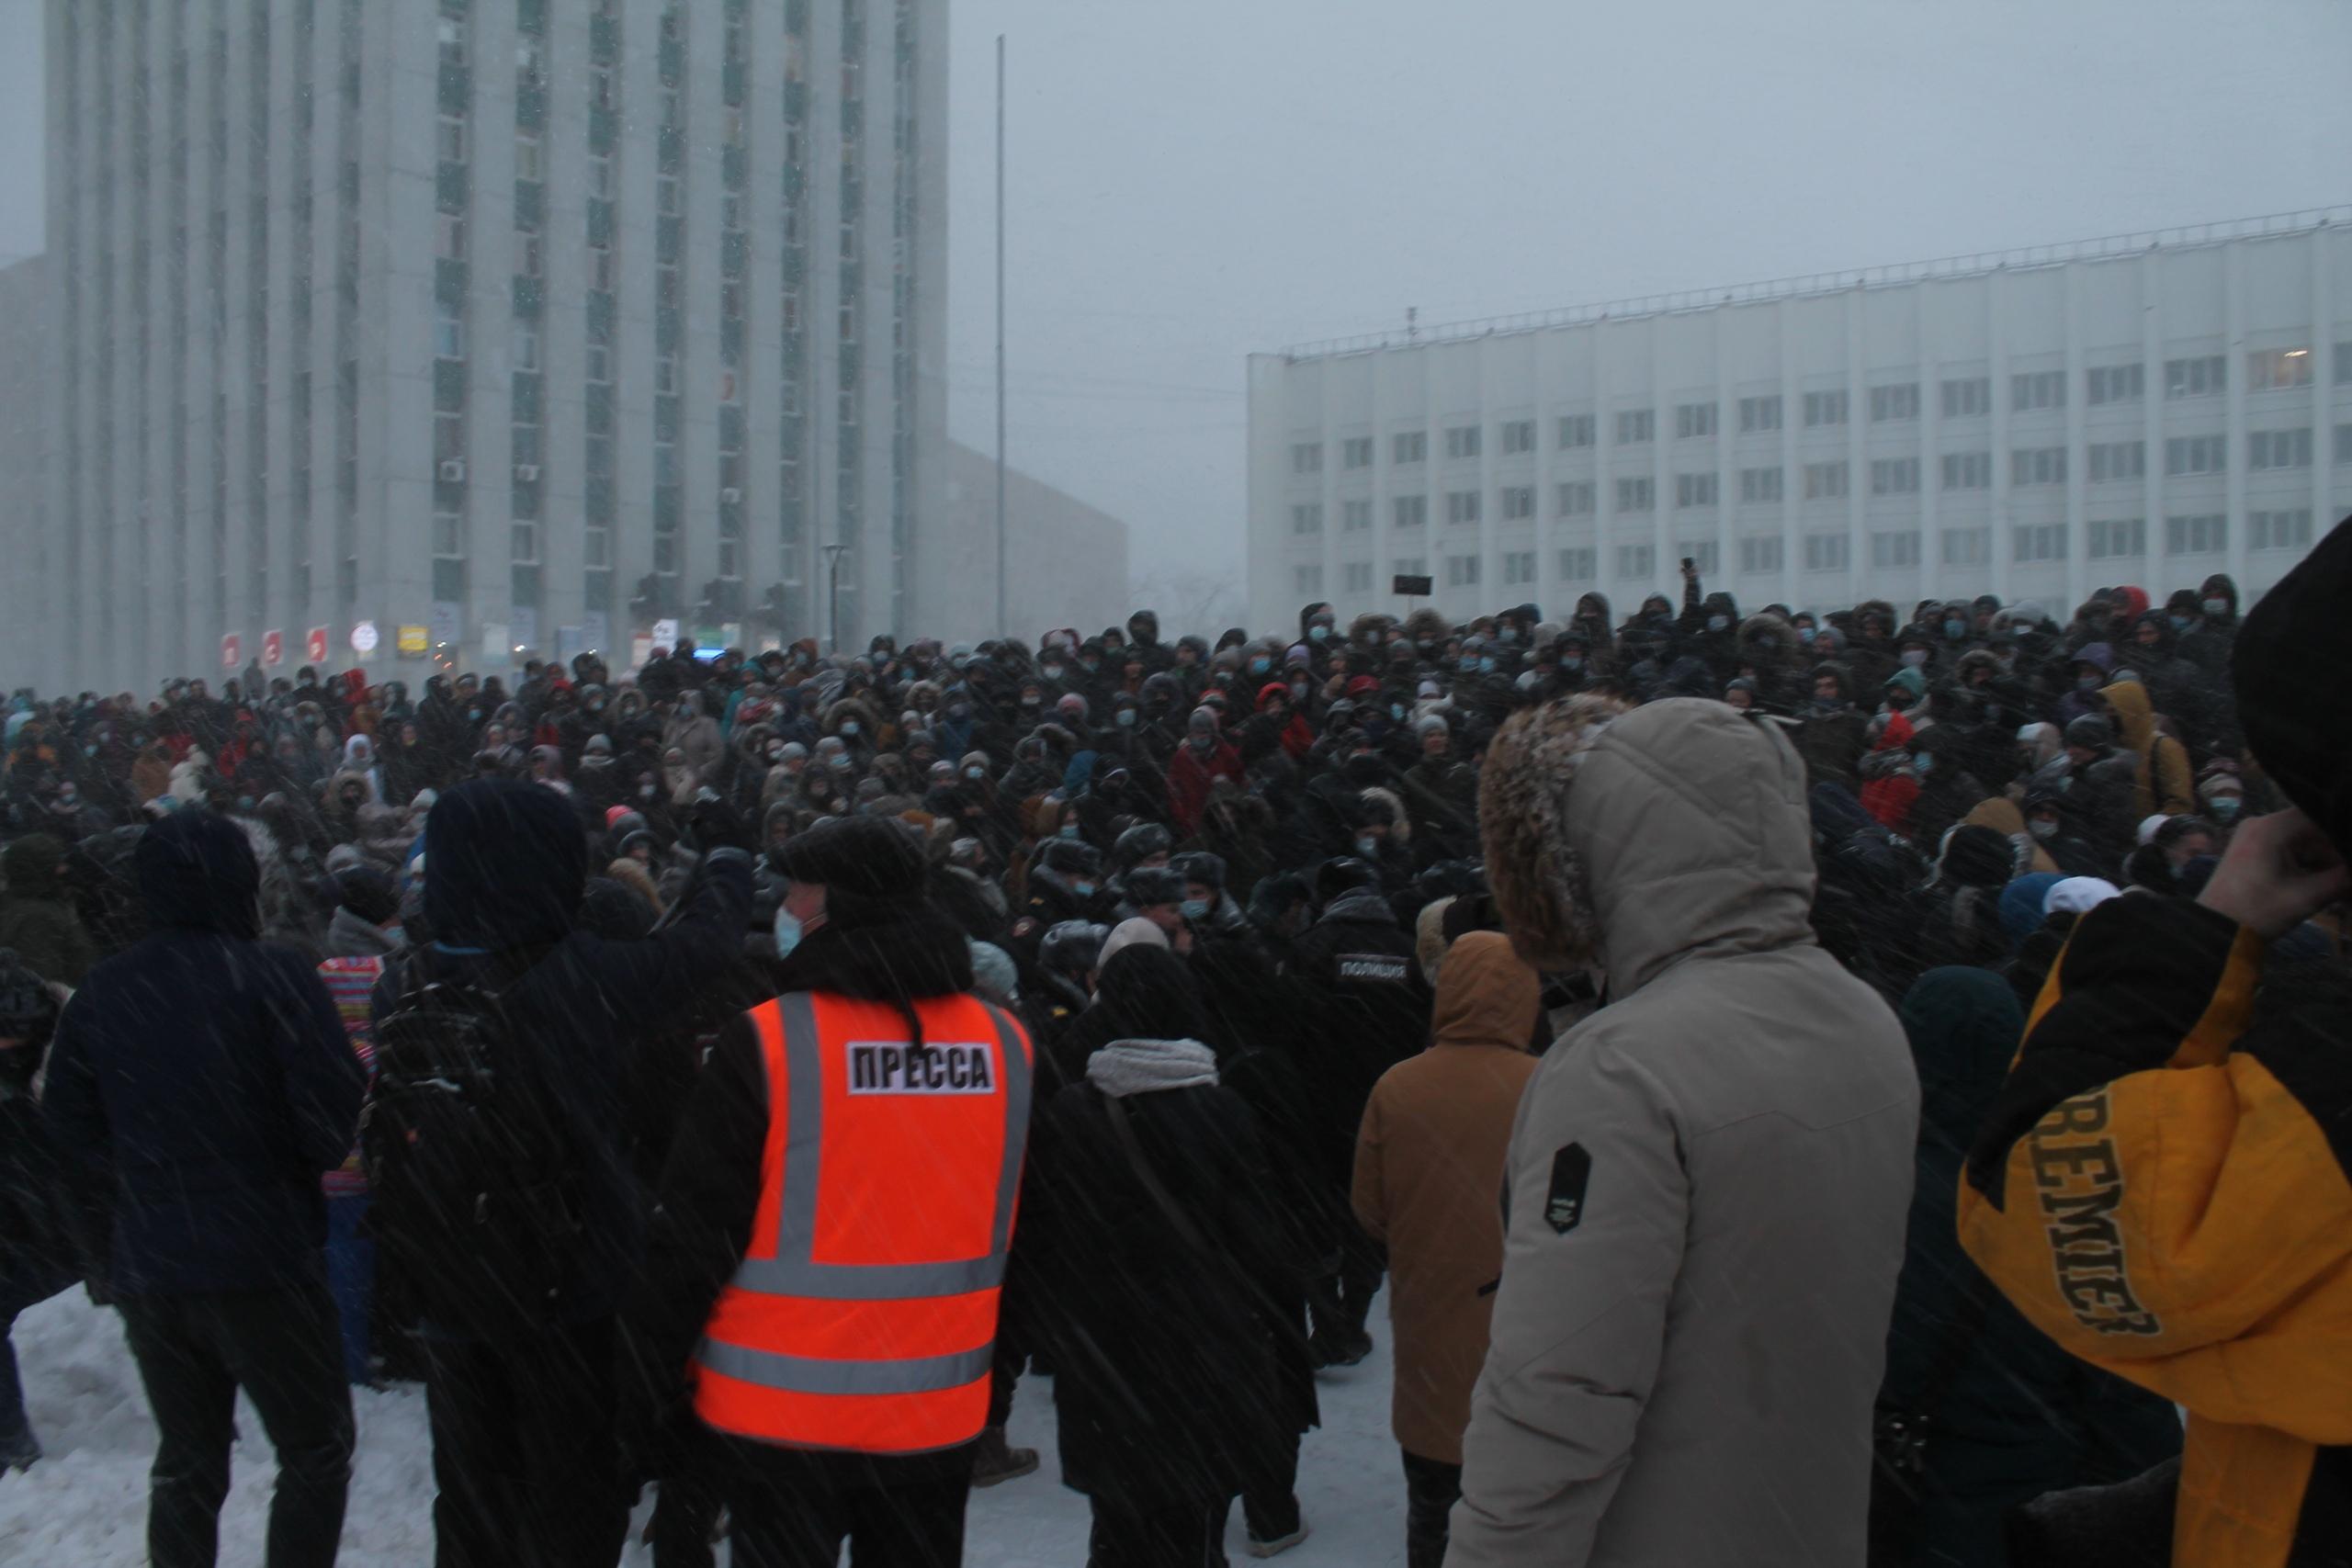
x=2162 y=1188
x=2166 y=781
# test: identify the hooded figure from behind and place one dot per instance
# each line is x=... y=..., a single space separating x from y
x=1709 y=1177
x=507 y=866
x=2012 y=1415
x=1429 y=1162
x=200 y=1086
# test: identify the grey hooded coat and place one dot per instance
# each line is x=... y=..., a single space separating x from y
x=1708 y=1177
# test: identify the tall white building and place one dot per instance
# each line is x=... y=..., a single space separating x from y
x=2148 y=409
x=467 y=329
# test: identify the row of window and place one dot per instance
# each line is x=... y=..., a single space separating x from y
x=2109 y=462
x=2124 y=538
x=1963 y=398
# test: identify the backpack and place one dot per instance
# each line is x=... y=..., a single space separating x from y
x=471 y=1170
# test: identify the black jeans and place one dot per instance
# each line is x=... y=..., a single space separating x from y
x=794 y=1509
x=1158 y=1535
x=1270 y=1492
x=1431 y=1488
x=282 y=1347
x=1342 y=1302
x=524 y=1450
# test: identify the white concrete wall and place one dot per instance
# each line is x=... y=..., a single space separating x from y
x=2231 y=298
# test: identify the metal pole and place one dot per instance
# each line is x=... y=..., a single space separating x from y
x=1002 y=627
x=833 y=554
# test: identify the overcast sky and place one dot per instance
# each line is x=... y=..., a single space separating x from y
x=1193 y=182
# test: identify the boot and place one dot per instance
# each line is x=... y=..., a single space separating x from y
x=995 y=1461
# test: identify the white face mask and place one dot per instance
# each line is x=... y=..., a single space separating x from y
x=2042 y=827
x=788 y=931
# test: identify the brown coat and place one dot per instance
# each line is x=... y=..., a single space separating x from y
x=1429 y=1180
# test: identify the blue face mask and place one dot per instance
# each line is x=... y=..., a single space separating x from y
x=1195 y=909
x=1572 y=662
x=1069 y=829
x=788 y=931
x=1923 y=765
x=1083 y=889
x=2224 y=807
x=2179 y=623
x=1955 y=630
x=1318 y=633
x=1260 y=666
x=1718 y=623
x=1485 y=665
x=1127 y=718
x=1805 y=634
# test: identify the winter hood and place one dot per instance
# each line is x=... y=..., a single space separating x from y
x=1636 y=839
x=196 y=872
x=1486 y=996
x=507 y=865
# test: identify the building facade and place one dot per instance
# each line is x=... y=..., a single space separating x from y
x=2149 y=408
x=466 y=330
x=1065 y=562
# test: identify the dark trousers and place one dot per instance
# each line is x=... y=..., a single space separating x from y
x=1270 y=1492
x=1431 y=1488
x=794 y=1509
x=524 y=1450
x=1342 y=1302
x=281 y=1346
x=25 y=1281
x=688 y=1499
x=1158 y=1535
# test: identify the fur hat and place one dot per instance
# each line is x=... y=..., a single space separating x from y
x=1538 y=881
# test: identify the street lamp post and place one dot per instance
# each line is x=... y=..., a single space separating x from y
x=833 y=554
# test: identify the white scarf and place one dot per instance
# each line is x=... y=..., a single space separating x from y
x=1139 y=1067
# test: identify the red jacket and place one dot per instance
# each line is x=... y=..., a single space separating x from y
x=1189 y=777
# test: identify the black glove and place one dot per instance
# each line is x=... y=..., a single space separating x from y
x=719 y=826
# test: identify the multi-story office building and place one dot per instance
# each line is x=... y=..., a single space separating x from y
x=478 y=327
x=2148 y=409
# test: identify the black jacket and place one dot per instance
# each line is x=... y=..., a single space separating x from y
x=506 y=876
x=1367 y=1010
x=1163 y=1354
x=201 y=1082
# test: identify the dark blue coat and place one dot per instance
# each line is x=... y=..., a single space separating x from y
x=201 y=1082
x=505 y=868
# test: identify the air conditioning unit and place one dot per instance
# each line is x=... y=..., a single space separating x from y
x=453 y=471
x=730 y=496
x=527 y=473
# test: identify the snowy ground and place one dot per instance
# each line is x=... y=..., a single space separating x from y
x=86 y=1504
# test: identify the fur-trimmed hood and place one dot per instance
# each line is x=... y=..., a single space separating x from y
x=1427 y=624
x=849 y=708
x=1635 y=839
x=1767 y=638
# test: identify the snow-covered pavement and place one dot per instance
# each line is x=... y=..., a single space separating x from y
x=85 y=1506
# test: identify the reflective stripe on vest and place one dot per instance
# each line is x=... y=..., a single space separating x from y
x=862 y=1316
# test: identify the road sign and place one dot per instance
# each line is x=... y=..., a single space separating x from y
x=314 y=647
x=230 y=648
x=665 y=632
x=363 y=637
x=273 y=648
x=413 y=641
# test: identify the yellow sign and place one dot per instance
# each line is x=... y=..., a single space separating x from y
x=413 y=640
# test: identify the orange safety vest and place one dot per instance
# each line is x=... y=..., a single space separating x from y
x=863 y=1316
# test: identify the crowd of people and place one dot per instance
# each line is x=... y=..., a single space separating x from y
x=1195 y=989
